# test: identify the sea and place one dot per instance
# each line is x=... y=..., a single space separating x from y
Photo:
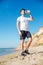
x=5 y=51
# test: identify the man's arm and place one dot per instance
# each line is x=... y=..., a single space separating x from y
x=18 y=26
x=31 y=17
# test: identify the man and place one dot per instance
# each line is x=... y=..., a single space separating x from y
x=22 y=26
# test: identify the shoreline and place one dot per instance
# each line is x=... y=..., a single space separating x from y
x=35 y=56
x=6 y=51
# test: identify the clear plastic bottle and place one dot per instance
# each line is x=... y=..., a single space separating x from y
x=27 y=11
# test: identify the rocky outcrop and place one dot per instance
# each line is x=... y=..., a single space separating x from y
x=38 y=38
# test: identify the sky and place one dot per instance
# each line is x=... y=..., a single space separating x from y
x=9 y=12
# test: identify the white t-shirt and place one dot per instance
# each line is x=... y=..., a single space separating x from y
x=23 y=23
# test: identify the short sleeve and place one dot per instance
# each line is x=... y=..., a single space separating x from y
x=18 y=19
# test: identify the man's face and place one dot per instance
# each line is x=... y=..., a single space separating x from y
x=23 y=12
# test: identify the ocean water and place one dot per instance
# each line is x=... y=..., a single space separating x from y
x=5 y=51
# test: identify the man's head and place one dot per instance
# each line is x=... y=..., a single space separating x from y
x=22 y=11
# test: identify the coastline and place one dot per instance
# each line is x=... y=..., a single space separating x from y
x=5 y=51
x=35 y=57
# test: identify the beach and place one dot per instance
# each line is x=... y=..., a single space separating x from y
x=34 y=58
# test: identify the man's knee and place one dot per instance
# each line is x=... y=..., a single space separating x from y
x=30 y=39
x=22 y=41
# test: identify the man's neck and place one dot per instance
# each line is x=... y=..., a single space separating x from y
x=23 y=15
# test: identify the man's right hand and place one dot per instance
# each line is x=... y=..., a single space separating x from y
x=20 y=33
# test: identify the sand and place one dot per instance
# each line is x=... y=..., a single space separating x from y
x=34 y=58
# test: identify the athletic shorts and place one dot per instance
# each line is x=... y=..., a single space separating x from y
x=25 y=34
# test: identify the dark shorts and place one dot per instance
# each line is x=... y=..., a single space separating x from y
x=25 y=34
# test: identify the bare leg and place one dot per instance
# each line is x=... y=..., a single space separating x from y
x=29 y=43
x=23 y=52
x=22 y=42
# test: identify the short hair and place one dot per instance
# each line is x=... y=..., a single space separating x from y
x=22 y=9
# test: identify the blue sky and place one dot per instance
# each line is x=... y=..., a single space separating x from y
x=9 y=11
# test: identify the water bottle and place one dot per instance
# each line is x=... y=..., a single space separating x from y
x=27 y=11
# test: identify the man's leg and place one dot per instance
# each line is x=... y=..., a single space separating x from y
x=29 y=36
x=23 y=51
x=29 y=42
x=22 y=44
x=28 y=45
